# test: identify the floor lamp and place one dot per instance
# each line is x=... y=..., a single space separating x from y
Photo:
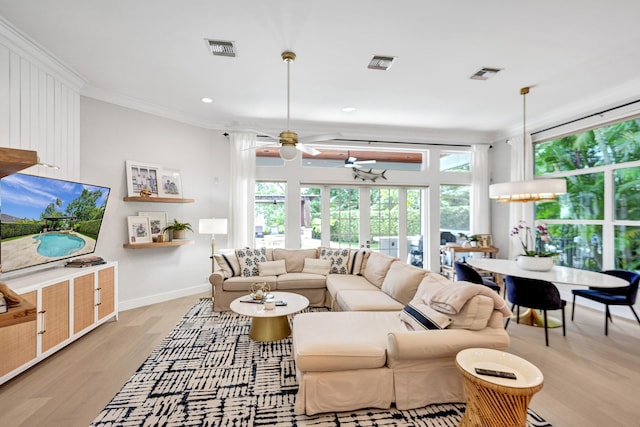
x=213 y=226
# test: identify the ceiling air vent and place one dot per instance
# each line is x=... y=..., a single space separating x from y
x=379 y=62
x=485 y=73
x=221 y=48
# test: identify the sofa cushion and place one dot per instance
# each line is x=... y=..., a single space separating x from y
x=337 y=283
x=228 y=263
x=369 y=300
x=249 y=258
x=430 y=284
x=272 y=268
x=402 y=280
x=301 y=281
x=474 y=315
x=244 y=283
x=419 y=316
x=357 y=258
x=294 y=258
x=377 y=266
x=342 y=341
x=339 y=259
x=316 y=266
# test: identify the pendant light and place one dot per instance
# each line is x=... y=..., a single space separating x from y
x=536 y=190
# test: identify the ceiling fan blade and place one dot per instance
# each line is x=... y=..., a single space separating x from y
x=308 y=150
x=318 y=138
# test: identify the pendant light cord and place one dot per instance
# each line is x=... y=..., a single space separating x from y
x=288 y=61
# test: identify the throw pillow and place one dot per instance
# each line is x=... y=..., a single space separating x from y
x=418 y=316
x=356 y=260
x=272 y=268
x=316 y=266
x=228 y=263
x=339 y=259
x=249 y=259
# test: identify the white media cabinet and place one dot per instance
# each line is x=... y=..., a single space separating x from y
x=70 y=302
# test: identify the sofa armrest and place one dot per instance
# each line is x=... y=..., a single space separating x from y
x=431 y=344
x=216 y=278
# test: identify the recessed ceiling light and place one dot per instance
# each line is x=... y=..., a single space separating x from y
x=349 y=109
x=207 y=100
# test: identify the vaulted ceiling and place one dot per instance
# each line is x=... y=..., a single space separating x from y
x=579 y=56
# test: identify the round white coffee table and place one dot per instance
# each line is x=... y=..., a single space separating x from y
x=270 y=325
x=494 y=401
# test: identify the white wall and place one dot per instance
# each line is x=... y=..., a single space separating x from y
x=499 y=171
x=110 y=135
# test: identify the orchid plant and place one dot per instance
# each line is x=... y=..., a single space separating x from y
x=526 y=236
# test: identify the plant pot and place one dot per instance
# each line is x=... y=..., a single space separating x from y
x=179 y=234
x=535 y=263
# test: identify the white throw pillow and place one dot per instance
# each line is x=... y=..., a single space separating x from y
x=419 y=316
x=272 y=268
x=228 y=263
x=339 y=259
x=249 y=259
x=316 y=266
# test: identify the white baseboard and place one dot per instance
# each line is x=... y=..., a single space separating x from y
x=167 y=296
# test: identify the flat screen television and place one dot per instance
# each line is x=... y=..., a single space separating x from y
x=44 y=220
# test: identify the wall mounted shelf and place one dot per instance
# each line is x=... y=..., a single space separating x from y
x=14 y=160
x=24 y=312
x=157 y=245
x=157 y=199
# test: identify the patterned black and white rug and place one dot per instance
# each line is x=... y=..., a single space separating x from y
x=208 y=372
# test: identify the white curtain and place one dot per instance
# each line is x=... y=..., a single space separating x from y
x=243 y=183
x=521 y=170
x=480 y=223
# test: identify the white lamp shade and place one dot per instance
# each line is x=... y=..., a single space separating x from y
x=288 y=152
x=537 y=190
x=212 y=226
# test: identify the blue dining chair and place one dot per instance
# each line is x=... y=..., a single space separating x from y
x=465 y=272
x=625 y=295
x=534 y=294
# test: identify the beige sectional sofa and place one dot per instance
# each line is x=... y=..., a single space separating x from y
x=383 y=342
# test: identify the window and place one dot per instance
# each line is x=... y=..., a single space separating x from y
x=595 y=225
x=455 y=162
x=384 y=220
x=311 y=219
x=270 y=214
x=345 y=217
x=455 y=208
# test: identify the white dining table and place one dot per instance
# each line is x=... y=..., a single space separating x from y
x=558 y=274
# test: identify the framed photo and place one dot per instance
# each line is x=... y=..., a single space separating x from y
x=157 y=221
x=485 y=240
x=139 y=229
x=142 y=176
x=170 y=184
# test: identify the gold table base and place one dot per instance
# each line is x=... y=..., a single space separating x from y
x=531 y=317
x=265 y=329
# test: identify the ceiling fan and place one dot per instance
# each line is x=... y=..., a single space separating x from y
x=288 y=139
x=353 y=162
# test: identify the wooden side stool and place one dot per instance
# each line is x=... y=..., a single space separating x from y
x=497 y=401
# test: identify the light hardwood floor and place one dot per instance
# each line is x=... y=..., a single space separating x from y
x=590 y=379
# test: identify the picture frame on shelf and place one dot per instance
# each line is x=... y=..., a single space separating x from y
x=170 y=184
x=139 y=229
x=485 y=240
x=142 y=178
x=157 y=221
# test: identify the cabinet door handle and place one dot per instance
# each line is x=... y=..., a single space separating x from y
x=99 y=290
x=43 y=322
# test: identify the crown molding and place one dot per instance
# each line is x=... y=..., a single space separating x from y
x=35 y=53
